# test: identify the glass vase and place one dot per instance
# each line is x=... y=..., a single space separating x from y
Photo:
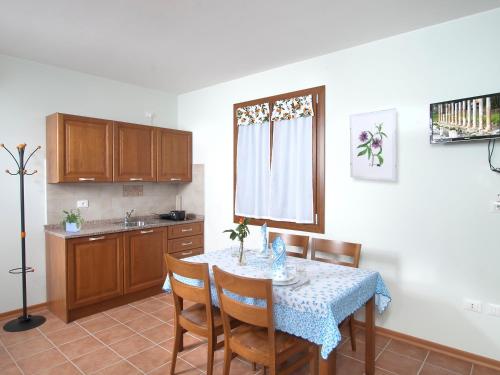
x=241 y=255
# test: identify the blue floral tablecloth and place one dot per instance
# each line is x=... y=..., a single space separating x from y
x=315 y=310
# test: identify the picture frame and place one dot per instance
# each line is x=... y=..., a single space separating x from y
x=373 y=138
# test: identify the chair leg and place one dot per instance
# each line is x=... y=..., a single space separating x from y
x=181 y=345
x=177 y=347
x=254 y=366
x=351 y=332
x=210 y=355
x=228 y=357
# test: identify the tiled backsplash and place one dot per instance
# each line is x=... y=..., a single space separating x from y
x=112 y=200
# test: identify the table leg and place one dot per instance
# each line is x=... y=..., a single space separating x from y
x=327 y=366
x=370 y=337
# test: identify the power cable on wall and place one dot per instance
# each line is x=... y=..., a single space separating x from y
x=491 y=149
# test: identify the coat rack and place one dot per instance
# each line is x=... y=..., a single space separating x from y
x=25 y=321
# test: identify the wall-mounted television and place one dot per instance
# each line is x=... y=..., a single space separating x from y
x=465 y=119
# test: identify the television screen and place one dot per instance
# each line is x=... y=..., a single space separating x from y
x=465 y=119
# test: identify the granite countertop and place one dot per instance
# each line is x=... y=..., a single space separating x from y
x=99 y=227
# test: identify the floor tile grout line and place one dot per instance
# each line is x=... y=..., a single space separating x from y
x=114 y=351
x=447 y=369
x=60 y=352
x=423 y=362
x=383 y=350
x=11 y=357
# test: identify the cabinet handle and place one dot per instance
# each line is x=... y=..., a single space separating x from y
x=187 y=243
x=147 y=231
x=187 y=230
x=135 y=179
x=187 y=252
x=97 y=238
x=86 y=179
x=175 y=179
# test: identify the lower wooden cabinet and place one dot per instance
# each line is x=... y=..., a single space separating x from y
x=144 y=263
x=86 y=275
x=95 y=269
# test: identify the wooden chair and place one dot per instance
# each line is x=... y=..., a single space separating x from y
x=292 y=240
x=256 y=338
x=199 y=318
x=342 y=253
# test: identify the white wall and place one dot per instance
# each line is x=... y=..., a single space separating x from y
x=431 y=234
x=28 y=92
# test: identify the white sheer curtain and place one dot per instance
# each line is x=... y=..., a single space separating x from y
x=252 y=171
x=291 y=183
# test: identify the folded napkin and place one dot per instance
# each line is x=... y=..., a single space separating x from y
x=263 y=233
x=279 y=268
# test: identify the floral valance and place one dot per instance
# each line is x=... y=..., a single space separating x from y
x=289 y=109
x=253 y=114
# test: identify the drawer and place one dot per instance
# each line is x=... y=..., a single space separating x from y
x=186 y=243
x=187 y=253
x=184 y=230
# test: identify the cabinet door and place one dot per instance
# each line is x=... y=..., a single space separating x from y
x=144 y=263
x=95 y=269
x=135 y=152
x=174 y=155
x=83 y=149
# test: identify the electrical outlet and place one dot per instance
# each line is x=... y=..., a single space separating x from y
x=495 y=207
x=473 y=305
x=82 y=204
x=493 y=309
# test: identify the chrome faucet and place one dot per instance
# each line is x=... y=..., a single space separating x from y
x=128 y=215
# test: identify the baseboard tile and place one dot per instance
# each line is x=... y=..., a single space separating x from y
x=429 y=345
x=18 y=312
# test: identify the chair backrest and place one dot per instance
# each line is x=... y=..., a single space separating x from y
x=292 y=240
x=339 y=249
x=260 y=316
x=182 y=291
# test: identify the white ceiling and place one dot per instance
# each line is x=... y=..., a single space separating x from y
x=183 y=45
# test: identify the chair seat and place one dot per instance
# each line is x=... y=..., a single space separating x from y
x=255 y=339
x=197 y=315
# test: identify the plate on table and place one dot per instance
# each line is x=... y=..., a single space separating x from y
x=292 y=279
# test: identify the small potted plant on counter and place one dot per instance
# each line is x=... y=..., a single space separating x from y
x=73 y=220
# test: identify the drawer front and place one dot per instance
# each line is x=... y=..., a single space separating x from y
x=186 y=243
x=185 y=230
x=187 y=253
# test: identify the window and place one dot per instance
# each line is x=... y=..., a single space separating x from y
x=279 y=160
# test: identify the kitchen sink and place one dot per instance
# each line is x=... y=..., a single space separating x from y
x=133 y=224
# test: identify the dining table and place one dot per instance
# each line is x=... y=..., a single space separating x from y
x=312 y=308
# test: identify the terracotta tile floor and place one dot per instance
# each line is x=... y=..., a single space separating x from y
x=137 y=339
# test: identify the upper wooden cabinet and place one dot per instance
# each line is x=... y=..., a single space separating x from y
x=83 y=149
x=135 y=152
x=174 y=155
x=79 y=149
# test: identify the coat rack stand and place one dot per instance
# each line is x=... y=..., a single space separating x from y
x=25 y=321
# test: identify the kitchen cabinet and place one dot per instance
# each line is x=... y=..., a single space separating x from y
x=95 y=269
x=174 y=155
x=144 y=263
x=134 y=152
x=94 y=273
x=185 y=240
x=84 y=149
x=79 y=149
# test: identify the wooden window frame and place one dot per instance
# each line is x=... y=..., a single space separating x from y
x=318 y=150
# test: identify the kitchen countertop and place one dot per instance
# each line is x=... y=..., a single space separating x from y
x=100 y=227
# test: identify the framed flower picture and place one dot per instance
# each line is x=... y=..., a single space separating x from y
x=373 y=145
